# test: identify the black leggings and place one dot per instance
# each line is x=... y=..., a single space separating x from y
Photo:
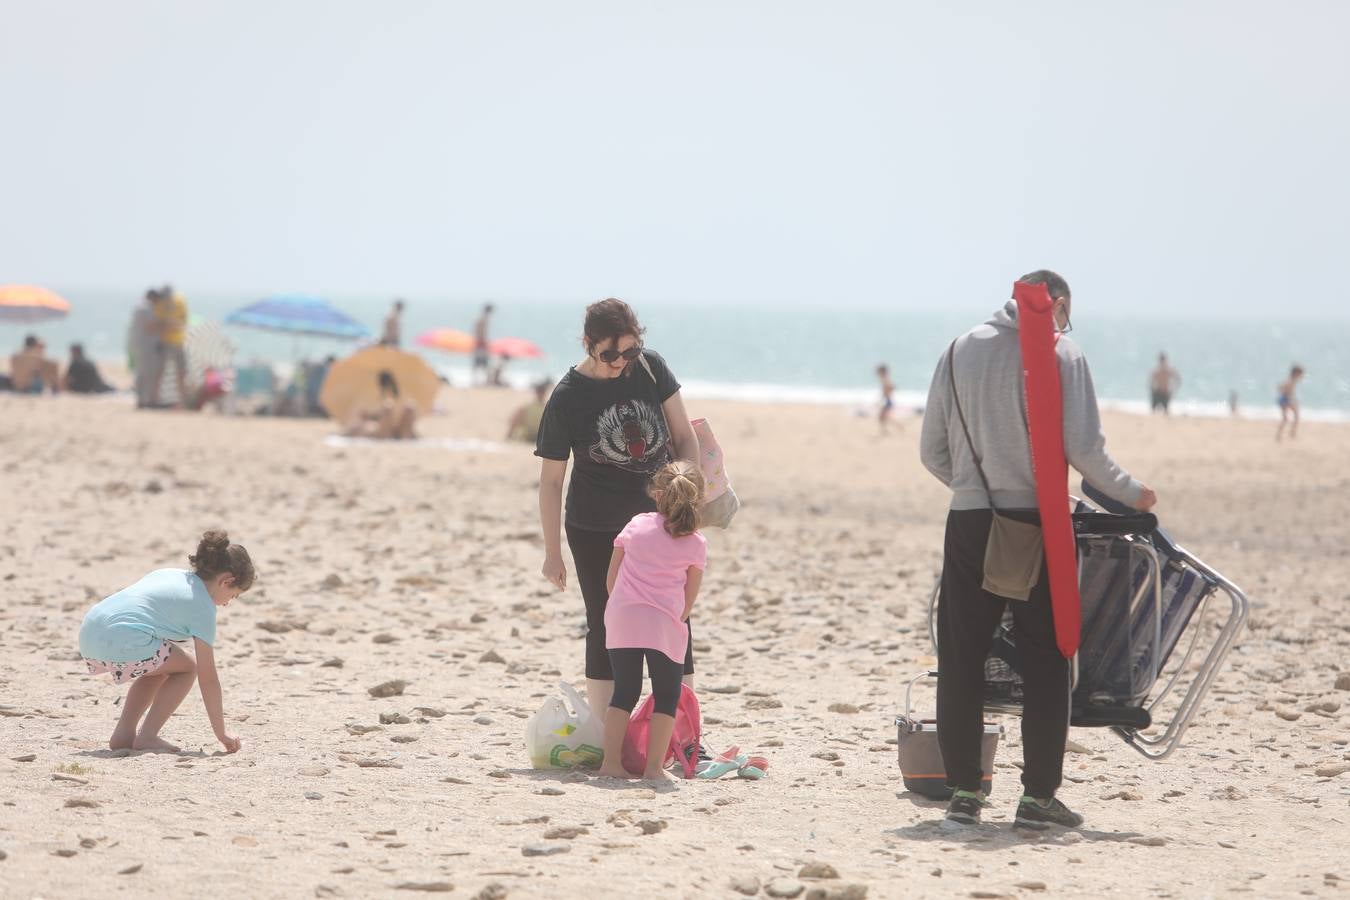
x=666 y=674
x=591 y=553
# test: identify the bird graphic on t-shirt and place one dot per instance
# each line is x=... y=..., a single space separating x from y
x=631 y=435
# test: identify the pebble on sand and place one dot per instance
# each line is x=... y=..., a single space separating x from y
x=838 y=892
x=384 y=689
x=492 y=656
x=745 y=884
x=565 y=832
x=1343 y=681
x=784 y=888
x=430 y=887
x=817 y=870
x=545 y=849
x=131 y=870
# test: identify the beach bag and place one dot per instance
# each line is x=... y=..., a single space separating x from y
x=720 y=503
x=684 y=741
x=557 y=737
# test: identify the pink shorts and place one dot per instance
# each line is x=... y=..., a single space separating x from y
x=122 y=672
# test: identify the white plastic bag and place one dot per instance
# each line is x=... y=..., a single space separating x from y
x=561 y=738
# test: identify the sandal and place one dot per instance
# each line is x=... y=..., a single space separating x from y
x=730 y=760
x=753 y=768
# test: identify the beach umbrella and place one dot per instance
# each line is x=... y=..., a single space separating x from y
x=516 y=348
x=353 y=383
x=297 y=314
x=448 y=339
x=28 y=303
x=207 y=347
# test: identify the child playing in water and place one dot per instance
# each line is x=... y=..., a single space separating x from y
x=1288 y=402
x=654 y=577
x=130 y=635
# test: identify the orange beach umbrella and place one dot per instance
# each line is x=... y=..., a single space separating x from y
x=450 y=340
x=354 y=383
x=28 y=303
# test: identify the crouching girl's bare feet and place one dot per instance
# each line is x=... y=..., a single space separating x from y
x=658 y=775
x=155 y=744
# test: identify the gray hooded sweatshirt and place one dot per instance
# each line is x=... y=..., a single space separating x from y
x=988 y=363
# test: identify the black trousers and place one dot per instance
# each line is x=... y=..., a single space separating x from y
x=591 y=553
x=967 y=617
x=666 y=674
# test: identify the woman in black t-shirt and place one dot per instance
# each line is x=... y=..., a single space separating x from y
x=621 y=421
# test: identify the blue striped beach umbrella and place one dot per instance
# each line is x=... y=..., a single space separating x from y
x=297 y=314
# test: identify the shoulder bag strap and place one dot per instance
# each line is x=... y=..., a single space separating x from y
x=956 y=398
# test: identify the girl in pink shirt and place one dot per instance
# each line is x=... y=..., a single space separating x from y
x=654 y=576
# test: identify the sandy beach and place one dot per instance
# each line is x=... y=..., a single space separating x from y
x=420 y=563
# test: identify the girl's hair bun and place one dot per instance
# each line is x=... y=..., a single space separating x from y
x=216 y=555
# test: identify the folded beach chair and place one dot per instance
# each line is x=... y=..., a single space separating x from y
x=1141 y=595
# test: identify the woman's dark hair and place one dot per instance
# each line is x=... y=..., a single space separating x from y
x=216 y=555
x=387 y=382
x=608 y=320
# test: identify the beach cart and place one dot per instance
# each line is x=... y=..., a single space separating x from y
x=1157 y=625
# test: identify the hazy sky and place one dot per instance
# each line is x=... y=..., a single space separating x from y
x=1175 y=155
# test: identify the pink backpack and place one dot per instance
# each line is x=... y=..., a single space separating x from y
x=684 y=742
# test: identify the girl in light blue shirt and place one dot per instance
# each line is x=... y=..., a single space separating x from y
x=131 y=635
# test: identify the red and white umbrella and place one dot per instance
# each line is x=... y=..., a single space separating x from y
x=514 y=347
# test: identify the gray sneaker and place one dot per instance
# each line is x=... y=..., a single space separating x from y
x=1038 y=815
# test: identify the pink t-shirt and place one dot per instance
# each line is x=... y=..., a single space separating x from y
x=645 y=606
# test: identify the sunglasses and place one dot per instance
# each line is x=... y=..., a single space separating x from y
x=612 y=356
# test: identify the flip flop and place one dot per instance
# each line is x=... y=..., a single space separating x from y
x=753 y=769
x=729 y=760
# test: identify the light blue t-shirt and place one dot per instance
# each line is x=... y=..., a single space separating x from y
x=166 y=605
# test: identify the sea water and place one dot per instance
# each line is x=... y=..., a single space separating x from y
x=824 y=353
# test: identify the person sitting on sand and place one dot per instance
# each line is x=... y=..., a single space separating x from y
x=30 y=371
x=131 y=635
x=654 y=576
x=524 y=422
x=887 y=396
x=1288 y=402
x=392 y=418
x=82 y=375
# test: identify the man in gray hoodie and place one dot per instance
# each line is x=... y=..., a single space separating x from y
x=985 y=365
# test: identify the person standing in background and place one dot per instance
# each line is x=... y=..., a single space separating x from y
x=887 y=396
x=171 y=315
x=143 y=347
x=480 y=345
x=1162 y=384
x=393 y=326
x=1287 y=400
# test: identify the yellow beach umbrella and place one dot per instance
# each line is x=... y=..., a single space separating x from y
x=28 y=303
x=354 y=383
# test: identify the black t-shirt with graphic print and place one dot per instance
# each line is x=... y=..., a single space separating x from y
x=617 y=434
